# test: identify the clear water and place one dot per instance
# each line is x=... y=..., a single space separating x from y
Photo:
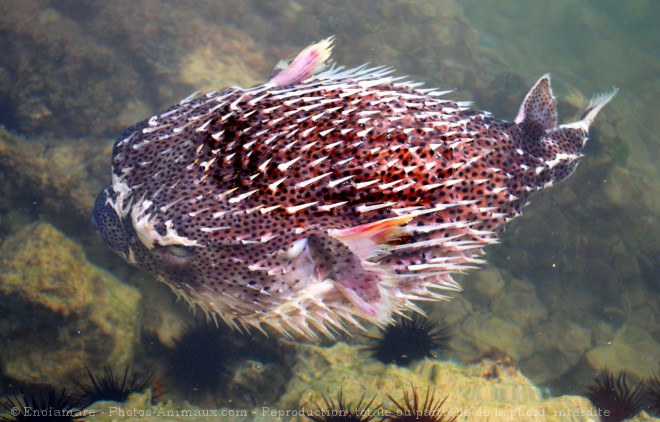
x=572 y=289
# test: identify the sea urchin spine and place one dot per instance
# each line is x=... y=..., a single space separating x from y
x=413 y=409
x=614 y=398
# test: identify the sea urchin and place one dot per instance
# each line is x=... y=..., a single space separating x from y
x=48 y=405
x=615 y=400
x=653 y=396
x=342 y=411
x=201 y=362
x=408 y=340
x=413 y=409
x=109 y=387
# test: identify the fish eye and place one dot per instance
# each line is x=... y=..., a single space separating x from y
x=178 y=251
x=175 y=255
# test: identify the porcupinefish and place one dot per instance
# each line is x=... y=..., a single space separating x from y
x=326 y=197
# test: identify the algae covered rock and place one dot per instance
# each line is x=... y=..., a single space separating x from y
x=57 y=71
x=60 y=313
x=488 y=391
x=139 y=406
x=72 y=70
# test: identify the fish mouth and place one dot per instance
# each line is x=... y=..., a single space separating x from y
x=107 y=223
x=98 y=209
x=94 y=221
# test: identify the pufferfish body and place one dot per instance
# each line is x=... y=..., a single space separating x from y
x=326 y=198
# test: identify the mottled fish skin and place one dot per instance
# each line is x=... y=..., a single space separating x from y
x=319 y=200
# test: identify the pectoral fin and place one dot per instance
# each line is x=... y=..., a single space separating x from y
x=370 y=240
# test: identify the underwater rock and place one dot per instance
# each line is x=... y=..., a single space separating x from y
x=637 y=194
x=632 y=350
x=60 y=313
x=489 y=282
x=163 y=320
x=207 y=69
x=492 y=333
x=497 y=313
x=519 y=304
x=57 y=71
x=262 y=382
x=94 y=74
x=556 y=349
x=441 y=46
x=59 y=174
x=645 y=317
x=494 y=299
x=484 y=392
x=141 y=407
x=66 y=72
x=13 y=220
x=155 y=39
x=545 y=367
x=573 y=340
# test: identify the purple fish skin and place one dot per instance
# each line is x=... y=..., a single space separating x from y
x=318 y=201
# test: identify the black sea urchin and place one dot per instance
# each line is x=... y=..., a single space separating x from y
x=614 y=399
x=653 y=396
x=200 y=363
x=413 y=409
x=48 y=405
x=408 y=340
x=341 y=411
x=109 y=387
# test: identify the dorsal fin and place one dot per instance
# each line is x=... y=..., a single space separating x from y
x=307 y=63
x=539 y=109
